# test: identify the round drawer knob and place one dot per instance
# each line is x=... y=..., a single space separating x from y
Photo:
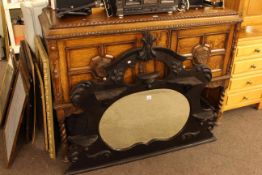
x=253 y=66
x=245 y=98
x=257 y=50
x=249 y=83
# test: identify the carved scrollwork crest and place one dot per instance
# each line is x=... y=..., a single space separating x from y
x=147 y=51
x=98 y=65
x=201 y=53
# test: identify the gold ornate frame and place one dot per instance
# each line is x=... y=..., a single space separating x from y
x=42 y=60
x=40 y=84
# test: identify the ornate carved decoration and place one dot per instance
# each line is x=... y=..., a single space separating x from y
x=68 y=111
x=201 y=53
x=217 y=83
x=190 y=135
x=147 y=51
x=83 y=141
x=78 y=93
x=224 y=17
x=104 y=154
x=98 y=65
x=189 y=14
x=161 y=27
x=79 y=144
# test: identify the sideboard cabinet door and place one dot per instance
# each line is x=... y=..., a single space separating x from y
x=218 y=38
x=76 y=55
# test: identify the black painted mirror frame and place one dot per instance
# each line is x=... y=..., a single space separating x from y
x=87 y=151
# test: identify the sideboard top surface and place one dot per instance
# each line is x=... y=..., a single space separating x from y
x=98 y=23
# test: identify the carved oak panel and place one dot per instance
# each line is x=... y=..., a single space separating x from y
x=81 y=57
x=76 y=55
x=162 y=38
x=217 y=38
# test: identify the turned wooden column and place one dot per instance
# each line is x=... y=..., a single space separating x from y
x=63 y=135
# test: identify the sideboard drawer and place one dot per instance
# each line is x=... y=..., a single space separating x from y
x=250 y=50
x=76 y=56
x=216 y=38
x=247 y=66
x=243 y=97
x=246 y=82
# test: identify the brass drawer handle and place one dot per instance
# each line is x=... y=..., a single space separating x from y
x=257 y=50
x=245 y=98
x=253 y=66
x=249 y=83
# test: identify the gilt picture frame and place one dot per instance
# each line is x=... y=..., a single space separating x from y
x=43 y=62
x=40 y=93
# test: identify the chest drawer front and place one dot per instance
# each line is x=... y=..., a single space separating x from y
x=246 y=66
x=77 y=56
x=217 y=38
x=253 y=50
x=247 y=82
x=243 y=97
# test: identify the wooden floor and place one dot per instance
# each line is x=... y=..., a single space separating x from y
x=238 y=151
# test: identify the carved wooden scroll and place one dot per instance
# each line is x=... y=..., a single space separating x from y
x=201 y=53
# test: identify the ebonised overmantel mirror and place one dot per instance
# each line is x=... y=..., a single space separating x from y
x=154 y=112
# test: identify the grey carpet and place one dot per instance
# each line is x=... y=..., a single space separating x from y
x=238 y=150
